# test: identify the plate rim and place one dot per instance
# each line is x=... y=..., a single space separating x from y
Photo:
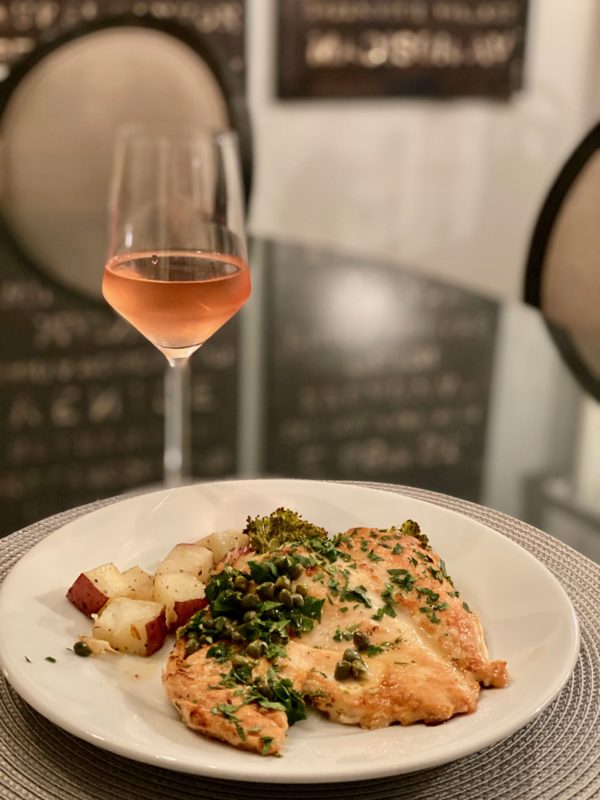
x=429 y=761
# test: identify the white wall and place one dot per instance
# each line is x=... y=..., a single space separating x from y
x=452 y=188
x=535 y=413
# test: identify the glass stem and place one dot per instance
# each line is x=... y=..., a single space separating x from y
x=177 y=457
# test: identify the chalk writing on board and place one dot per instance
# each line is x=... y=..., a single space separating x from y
x=81 y=393
x=375 y=374
x=81 y=402
x=21 y=23
x=340 y=48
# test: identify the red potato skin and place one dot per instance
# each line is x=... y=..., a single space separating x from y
x=86 y=596
x=184 y=609
x=156 y=633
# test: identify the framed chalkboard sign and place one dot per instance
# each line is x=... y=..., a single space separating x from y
x=23 y=24
x=81 y=393
x=421 y=48
x=374 y=374
x=81 y=401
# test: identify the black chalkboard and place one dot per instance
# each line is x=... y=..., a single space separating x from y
x=373 y=373
x=81 y=396
x=81 y=392
x=419 y=48
x=23 y=24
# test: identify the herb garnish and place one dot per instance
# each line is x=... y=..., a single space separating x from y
x=432 y=605
x=229 y=712
x=358 y=594
x=402 y=578
x=388 y=608
x=266 y=742
x=277 y=694
x=344 y=634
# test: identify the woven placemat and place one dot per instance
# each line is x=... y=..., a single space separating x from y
x=555 y=757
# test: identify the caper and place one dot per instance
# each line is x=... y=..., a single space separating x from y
x=342 y=670
x=256 y=649
x=239 y=661
x=283 y=582
x=297 y=600
x=264 y=687
x=300 y=588
x=267 y=590
x=285 y=597
x=361 y=640
x=82 y=649
x=283 y=564
x=279 y=637
x=250 y=601
x=351 y=655
x=236 y=636
x=359 y=669
x=240 y=583
x=191 y=646
x=220 y=623
x=250 y=615
x=296 y=570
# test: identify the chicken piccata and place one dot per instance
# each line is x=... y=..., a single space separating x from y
x=367 y=627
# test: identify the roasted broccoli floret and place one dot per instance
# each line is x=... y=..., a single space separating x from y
x=411 y=528
x=281 y=527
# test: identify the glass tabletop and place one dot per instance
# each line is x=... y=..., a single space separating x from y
x=373 y=372
x=340 y=367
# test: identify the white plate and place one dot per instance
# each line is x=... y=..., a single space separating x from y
x=119 y=704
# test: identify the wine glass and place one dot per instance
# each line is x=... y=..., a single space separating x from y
x=177 y=262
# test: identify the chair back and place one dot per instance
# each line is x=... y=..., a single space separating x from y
x=562 y=275
x=81 y=392
x=59 y=111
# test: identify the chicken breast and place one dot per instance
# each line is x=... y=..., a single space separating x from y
x=380 y=635
x=206 y=705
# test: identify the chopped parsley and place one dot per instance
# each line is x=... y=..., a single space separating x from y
x=266 y=742
x=344 y=634
x=220 y=652
x=358 y=595
x=229 y=712
x=432 y=607
x=402 y=578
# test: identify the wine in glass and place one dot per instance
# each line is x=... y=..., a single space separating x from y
x=177 y=264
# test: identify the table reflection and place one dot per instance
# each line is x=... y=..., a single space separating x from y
x=340 y=368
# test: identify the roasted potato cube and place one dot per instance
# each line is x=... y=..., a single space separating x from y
x=139 y=583
x=192 y=558
x=94 y=588
x=132 y=626
x=181 y=593
x=222 y=542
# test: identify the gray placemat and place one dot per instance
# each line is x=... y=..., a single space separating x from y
x=557 y=756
